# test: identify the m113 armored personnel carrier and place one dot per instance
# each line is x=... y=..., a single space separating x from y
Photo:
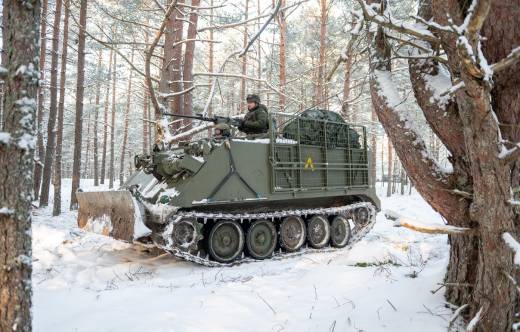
x=304 y=186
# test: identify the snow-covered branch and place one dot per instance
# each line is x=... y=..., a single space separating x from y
x=188 y=133
x=514 y=245
x=474 y=321
x=509 y=155
x=400 y=221
x=415 y=30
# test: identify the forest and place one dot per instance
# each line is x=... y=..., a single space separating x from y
x=313 y=165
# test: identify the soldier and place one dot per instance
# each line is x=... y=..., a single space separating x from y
x=256 y=120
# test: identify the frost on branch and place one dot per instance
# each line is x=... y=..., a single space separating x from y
x=514 y=245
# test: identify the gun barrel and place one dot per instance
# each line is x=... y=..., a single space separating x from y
x=196 y=117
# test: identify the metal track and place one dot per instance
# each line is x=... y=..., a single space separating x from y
x=357 y=232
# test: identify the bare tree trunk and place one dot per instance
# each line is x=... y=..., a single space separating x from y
x=373 y=148
x=346 y=81
x=243 y=83
x=105 y=119
x=146 y=119
x=51 y=124
x=211 y=55
x=125 y=128
x=403 y=178
x=259 y=48
x=17 y=163
x=188 y=59
x=176 y=65
x=88 y=140
x=146 y=105
x=41 y=94
x=56 y=208
x=390 y=175
x=320 y=93
x=111 y=170
x=283 y=34
x=80 y=88
x=96 y=121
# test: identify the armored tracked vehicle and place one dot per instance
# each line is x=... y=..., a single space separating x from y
x=304 y=186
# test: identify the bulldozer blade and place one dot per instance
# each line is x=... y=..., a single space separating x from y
x=111 y=213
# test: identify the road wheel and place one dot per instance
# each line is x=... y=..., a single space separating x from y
x=292 y=233
x=318 y=231
x=361 y=216
x=339 y=231
x=226 y=241
x=261 y=239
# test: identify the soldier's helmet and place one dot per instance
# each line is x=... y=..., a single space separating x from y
x=253 y=98
x=222 y=130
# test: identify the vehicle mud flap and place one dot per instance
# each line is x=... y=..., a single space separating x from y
x=111 y=213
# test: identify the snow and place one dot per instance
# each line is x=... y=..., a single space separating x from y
x=6 y=211
x=279 y=140
x=387 y=91
x=88 y=282
x=438 y=84
x=198 y=158
x=5 y=137
x=514 y=245
x=140 y=228
x=171 y=192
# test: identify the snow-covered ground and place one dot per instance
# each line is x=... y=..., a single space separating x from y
x=87 y=282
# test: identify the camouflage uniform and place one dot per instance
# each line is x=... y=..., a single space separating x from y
x=256 y=120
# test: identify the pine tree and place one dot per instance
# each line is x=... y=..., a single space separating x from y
x=53 y=109
x=38 y=168
x=105 y=119
x=80 y=88
x=17 y=140
x=56 y=209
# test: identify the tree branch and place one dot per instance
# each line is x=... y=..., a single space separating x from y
x=266 y=23
x=507 y=62
x=373 y=16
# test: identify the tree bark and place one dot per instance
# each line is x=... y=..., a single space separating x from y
x=96 y=121
x=53 y=109
x=188 y=59
x=56 y=208
x=176 y=64
x=373 y=148
x=17 y=162
x=483 y=260
x=105 y=120
x=211 y=59
x=125 y=128
x=80 y=88
x=320 y=93
x=38 y=168
x=390 y=173
x=146 y=106
x=282 y=77
x=111 y=169
x=243 y=83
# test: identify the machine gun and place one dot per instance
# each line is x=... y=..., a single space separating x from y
x=215 y=119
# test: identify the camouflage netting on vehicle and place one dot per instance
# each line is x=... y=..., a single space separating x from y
x=338 y=133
